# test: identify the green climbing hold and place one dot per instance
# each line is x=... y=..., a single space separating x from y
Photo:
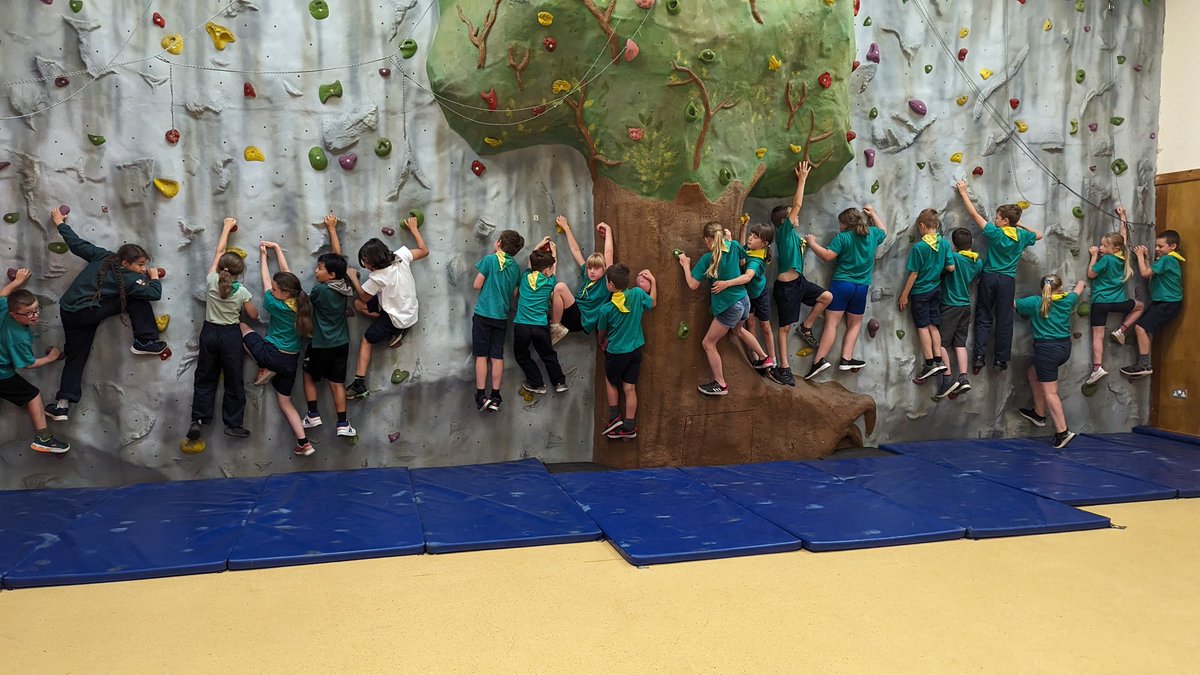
x=96 y=139
x=76 y=6
x=1090 y=389
x=900 y=334
x=11 y=218
x=921 y=165
x=1074 y=253
x=383 y=147
x=874 y=113
x=677 y=252
x=1116 y=121
x=867 y=21
x=408 y=48
x=317 y=158
x=1121 y=59
x=328 y=91
x=708 y=56
x=1074 y=127
x=874 y=187
x=399 y=376
x=693 y=112
x=319 y=9
x=928 y=68
x=1077 y=211
x=1080 y=76
x=674 y=6
x=419 y=215
x=1078 y=5
x=59 y=247
x=1119 y=166
x=683 y=331
x=1083 y=309
x=726 y=175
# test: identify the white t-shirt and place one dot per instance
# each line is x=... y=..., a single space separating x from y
x=396 y=288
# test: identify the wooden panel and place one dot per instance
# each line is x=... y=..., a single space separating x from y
x=1176 y=368
x=1177 y=177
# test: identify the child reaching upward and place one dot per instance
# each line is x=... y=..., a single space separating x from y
x=291 y=322
x=1166 y=296
x=926 y=263
x=956 y=311
x=622 y=319
x=577 y=313
x=530 y=327
x=220 y=352
x=757 y=242
x=496 y=281
x=19 y=313
x=1050 y=314
x=1109 y=269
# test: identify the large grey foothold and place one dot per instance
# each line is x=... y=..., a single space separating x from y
x=236 y=7
x=902 y=133
x=341 y=132
x=197 y=109
x=222 y=174
x=94 y=58
x=484 y=228
x=133 y=181
x=292 y=89
x=29 y=99
x=189 y=233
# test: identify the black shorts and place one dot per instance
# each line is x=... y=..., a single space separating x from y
x=382 y=329
x=1100 y=311
x=955 y=323
x=572 y=320
x=1158 y=315
x=625 y=368
x=18 y=391
x=790 y=295
x=760 y=307
x=927 y=308
x=327 y=363
x=1048 y=357
x=487 y=337
x=268 y=356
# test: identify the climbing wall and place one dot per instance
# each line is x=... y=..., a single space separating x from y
x=1058 y=109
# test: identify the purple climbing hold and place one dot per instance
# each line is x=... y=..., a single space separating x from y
x=1152 y=137
x=12 y=274
x=61 y=81
x=1093 y=126
x=1137 y=68
x=873 y=53
x=385 y=72
x=64 y=209
x=348 y=161
x=870 y=155
x=393 y=437
x=872 y=327
x=918 y=106
x=349 y=311
x=388 y=232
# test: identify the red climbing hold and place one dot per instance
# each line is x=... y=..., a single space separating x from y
x=850 y=136
x=248 y=91
x=826 y=80
x=978 y=171
x=385 y=72
x=478 y=168
x=165 y=354
x=855 y=7
x=538 y=110
x=962 y=54
x=854 y=66
x=159 y=20
x=490 y=97
x=173 y=136
x=162 y=273
x=1014 y=102
x=550 y=44
x=61 y=82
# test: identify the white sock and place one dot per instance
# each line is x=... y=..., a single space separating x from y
x=62 y=403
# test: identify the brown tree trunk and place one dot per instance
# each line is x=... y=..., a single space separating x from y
x=759 y=420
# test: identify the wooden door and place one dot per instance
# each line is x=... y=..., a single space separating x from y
x=1175 y=385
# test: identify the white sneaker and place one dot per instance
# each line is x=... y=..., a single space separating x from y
x=346 y=430
x=557 y=332
x=311 y=421
x=1118 y=336
x=560 y=388
x=1097 y=375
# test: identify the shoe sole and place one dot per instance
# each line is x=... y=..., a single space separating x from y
x=141 y=352
x=854 y=368
x=719 y=392
x=964 y=388
x=613 y=426
x=1094 y=380
x=818 y=371
x=47 y=450
x=1065 y=442
x=311 y=425
x=352 y=433
x=621 y=437
x=304 y=454
x=1137 y=376
x=355 y=397
x=539 y=392
x=1032 y=421
x=952 y=390
x=57 y=418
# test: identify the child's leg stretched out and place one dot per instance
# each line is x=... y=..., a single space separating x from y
x=768 y=340
x=756 y=351
x=712 y=338
x=561 y=299
x=1129 y=320
x=853 y=328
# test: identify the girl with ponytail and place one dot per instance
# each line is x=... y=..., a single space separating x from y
x=221 y=343
x=278 y=353
x=1109 y=269
x=1050 y=314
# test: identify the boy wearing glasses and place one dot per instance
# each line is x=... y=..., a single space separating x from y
x=19 y=313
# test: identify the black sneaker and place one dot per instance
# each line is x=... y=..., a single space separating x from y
x=613 y=424
x=929 y=371
x=964 y=385
x=56 y=447
x=237 y=432
x=1001 y=365
x=1061 y=439
x=151 y=347
x=532 y=389
x=782 y=376
x=850 y=364
x=762 y=364
x=977 y=365
x=494 y=402
x=806 y=334
x=1136 y=371
x=357 y=390
x=713 y=389
x=57 y=413
x=193 y=433
x=819 y=366
x=623 y=433
x=398 y=339
x=1031 y=415
x=948 y=387
x=481 y=401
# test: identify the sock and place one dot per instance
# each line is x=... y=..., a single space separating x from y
x=302 y=441
x=1123 y=328
x=1144 y=360
x=937 y=360
x=42 y=434
x=613 y=411
x=479 y=392
x=929 y=362
x=341 y=416
x=630 y=424
x=360 y=379
x=312 y=409
x=1095 y=367
x=62 y=403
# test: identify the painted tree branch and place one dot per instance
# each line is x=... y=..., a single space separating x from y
x=812 y=123
x=518 y=65
x=754 y=11
x=479 y=36
x=794 y=107
x=709 y=110
x=594 y=157
x=605 y=20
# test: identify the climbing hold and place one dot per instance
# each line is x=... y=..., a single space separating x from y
x=248 y=90
x=964 y=32
x=1079 y=5
x=850 y=136
x=644 y=4
x=1083 y=309
x=59 y=247
x=1120 y=59
x=419 y=215
x=1092 y=126
x=172 y=136
x=854 y=65
x=956 y=157
x=1014 y=102
x=1077 y=211
x=1137 y=67
x=825 y=80
x=526 y=394
x=760 y=153
x=1090 y=389
x=399 y=376
x=383 y=147
x=900 y=334
x=867 y=21
x=708 y=56
x=874 y=187
x=387 y=231
x=64 y=210
x=677 y=252
x=545 y=18
x=550 y=44
x=5 y=165
x=190 y=447
x=394 y=436
x=1087 y=29
x=385 y=72
x=12 y=274
x=631 y=50
x=725 y=175
x=164 y=354
x=921 y=166
x=221 y=36
x=162 y=322
x=794 y=148
x=61 y=81
x=684 y=330
x=492 y=141
x=804 y=352
x=872 y=327
x=173 y=44
x=928 y=68
x=239 y=252
x=169 y=188
x=774 y=63
x=692 y=113
x=869 y=154
x=11 y=218
x=1074 y=253
x=317 y=158
x=158 y=20
x=490 y=98
x=348 y=162
x=1080 y=75
x=874 y=113
x=918 y=107
x=1048 y=25
x=253 y=154
x=977 y=171
x=1074 y=127
x=319 y=9
x=1119 y=166
x=635 y=133
x=1024 y=205
x=962 y=54
x=1092 y=168
x=560 y=87
x=674 y=6
x=985 y=73
x=328 y=91
x=1116 y=121
x=873 y=53
x=1021 y=126
x=76 y=6
x=478 y=168
x=961 y=100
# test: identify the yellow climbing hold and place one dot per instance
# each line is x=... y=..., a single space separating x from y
x=1048 y=25
x=162 y=322
x=192 y=447
x=745 y=218
x=239 y=252
x=794 y=148
x=253 y=154
x=985 y=73
x=964 y=32
x=493 y=141
x=759 y=153
x=804 y=352
x=545 y=18
x=956 y=157
x=169 y=188
x=173 y=44
x=220 y=35
x=961 y=100
x=1024 y=205
x=1022 y=127
x=774 y=63
x=560 y=86
x=830 y=2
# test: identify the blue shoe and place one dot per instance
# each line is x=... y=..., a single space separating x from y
x=57 y=413
x=153 y=347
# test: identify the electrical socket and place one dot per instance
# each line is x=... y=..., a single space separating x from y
x=1180 y=394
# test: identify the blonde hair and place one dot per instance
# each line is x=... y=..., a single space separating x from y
x=716 y=234
x=1117 y=243
x=595 y=260
x=855 y=221
x=1050 y=284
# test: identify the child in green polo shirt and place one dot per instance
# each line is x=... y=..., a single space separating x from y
x=1109 y=269
x=1050 y=313
x=496 y=282
x=621 y=317
x=531 y=324
x=1166 y=296
x=956 y=311
x=576 y=312
x=757 y=242
x=19 y=313
x=926 y=262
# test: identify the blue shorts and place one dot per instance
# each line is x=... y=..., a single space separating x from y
x=1048 y=357
x=736 y=313
x=848 y=297
x=927 y=308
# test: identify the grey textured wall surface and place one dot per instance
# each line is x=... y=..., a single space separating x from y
x=135 y=409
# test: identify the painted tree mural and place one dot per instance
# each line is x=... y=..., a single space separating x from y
x=682 y=109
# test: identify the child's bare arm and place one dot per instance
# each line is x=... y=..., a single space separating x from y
x=1145 y=268
x=1094 y=252
x=645 y=274
x=572 y=244
x=902 y=301
x=970 y=206
x=1030 y=229
x=283 y=266
x=1124 y=224
x=352 y=277
x=250 y=310
x=228 y=226
x=1079 y=286
x=554 y=252
x=52 y=355
x=17 y=282
x=870 y=212
x=802 y=170
x=741 y=280
x=822 y=252
x=422 y=250
x=606 y=231
x=686 y=263
x=478 y=283
x=265 y=268
x=331 y=227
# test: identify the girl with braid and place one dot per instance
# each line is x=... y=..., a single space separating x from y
x=110 y=284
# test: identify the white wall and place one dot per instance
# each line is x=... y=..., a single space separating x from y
x=1178 y=143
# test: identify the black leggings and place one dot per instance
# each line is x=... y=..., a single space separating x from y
x=80 y=328
x=220 y=353
x=525 y=336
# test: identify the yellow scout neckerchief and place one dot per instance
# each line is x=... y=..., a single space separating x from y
x=618 y=301
x=1058 y=296
x=291 y=304
x=532 y=279
x=1120 y=256
x=1010 y=232
x=502 y=257
x=969 y=255
x=1175 y=255
x=932 y=240
x=761 y=254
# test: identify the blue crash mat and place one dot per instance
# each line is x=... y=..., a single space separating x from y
x=1029 y=465
x=826 y=513
x=984 y=508
x=468 y=508
x=33 y=519
x=662 y=516
x=329 y=516
x=1163 y=433
x=1148 y=458
x=145 y=531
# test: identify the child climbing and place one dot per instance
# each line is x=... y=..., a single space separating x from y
x=496 y=281
x=792 y=289
x=1109 y=269
x=721 y=267
x=110 y=284
x=757 y=242
x=1050 y=314
x=530 y=325
x=329 y=350
x=577 y=312
x=622 y=319
x=956 y=312
x=390 y=282
x=291 y=322
x=927 y=260
x=19 y=313
x=852 y=251
x=221 y=352
x=1166 y=296
x=1007 y=239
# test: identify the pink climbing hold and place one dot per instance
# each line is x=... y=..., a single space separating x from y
x=870 y=155
x=385 y=72
x=636 y=133
x=387 y=231
x=1087 y=29
x=491 y=98
x=644 y=4
x=1137 y=67
x=873 y=53
x=918 y=107
x=47 y=2
x=61 y=81
x=393 y=437
x=631 y=50
x=348 y=162
x=1093 y=126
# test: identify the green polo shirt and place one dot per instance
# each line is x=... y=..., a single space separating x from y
x=759 y=283
x=789 y=246
x=281 y=331
x=533 y=301
x=1109 y=284
x=1167 y=283
x=590 y=299
x=928 y=264
x=1004 y=253
x=330 y=327
x=1056 y=326
x=495 y=298
x=956 y=285
x=855 y=262
x=625 y=328
x=730 y=268
x=16 y=343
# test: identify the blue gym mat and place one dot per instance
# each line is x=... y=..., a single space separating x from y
x=485 y=506
x=145 y=531
x=662 y=515
x=826 y=513
x=1030 y=465
x=32 y=519
x=1148 y=458
x=1163 y=433
x=329 y=516
x=984 y=508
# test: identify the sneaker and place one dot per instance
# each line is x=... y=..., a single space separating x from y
x=57 y=413
x=54 y=446
x=782 y=376
x=929 y=371
x=154 y=347
x=1062 y=439
x=237 y=432
x=344 y=429
x=977 y=365
x=964 y=385
x=819 y=366
x=304 y=450
x=398 y=339
x=561 y=388
x=948 y=387
x=312 y=421
x=806 y=334
x=1118 y=336
x=193 y=433
x=613 y=424
x=850 y=364
x=558 y=332
x=1098 y=373
x=481 y=402
x=264 y=376
x=540 y=389
x=357 y=390
x=1136 y=371
x=713 y=389
x=762 y=364
x=1031 y=415
x=1001 y=365
x=623 y=433
x=494 y=401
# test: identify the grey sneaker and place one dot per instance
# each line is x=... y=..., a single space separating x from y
x=561 y=388
x=806 y=334
x=948 y=387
